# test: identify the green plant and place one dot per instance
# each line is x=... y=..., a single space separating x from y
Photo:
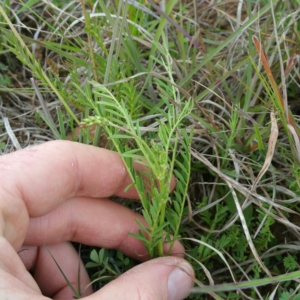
x=159 y=157
x=4 y=77
x=108 y=263
x=289 y=295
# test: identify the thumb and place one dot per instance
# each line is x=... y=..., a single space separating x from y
x=164 y=278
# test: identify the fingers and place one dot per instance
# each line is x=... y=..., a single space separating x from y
x=50 y=279
x=169 y=278
x=46 y=175
x=13 y=273
x=97 y=222
x=166 y=278
x=48 y=276
x=35 y=181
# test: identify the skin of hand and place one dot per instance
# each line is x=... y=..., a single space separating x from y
x=57 y=192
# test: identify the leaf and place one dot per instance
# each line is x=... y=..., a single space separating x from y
x=180 y=187
x=159 y=229
x=274 y=85
x=120 y=136
x=157 y=240
x=177 y=207
x=155 y=210
x=129 y=186
x=179 y=176
x=145 y=230
x=101 y=255
x=75 y=292
x=135 y=151
x=27 y=6
x=173 y=219
x=182 y=167
x=120 y=255
x=178 y=196
x=94 y=256
x=285 y=296
x=91 y=265
x=139 y=237
x=290 y=263
x=147 y=218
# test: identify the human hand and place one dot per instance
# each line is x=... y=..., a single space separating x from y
x=55 y=193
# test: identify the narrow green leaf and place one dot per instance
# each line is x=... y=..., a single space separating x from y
x=159 y=229
x=144 y=229
x=75 y=292
x=121 y=136
x=177 y=207
x=101 y=255
x=139 y=237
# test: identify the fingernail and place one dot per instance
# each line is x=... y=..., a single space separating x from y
x=180 y=281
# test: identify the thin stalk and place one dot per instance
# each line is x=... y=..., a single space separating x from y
x=164 y=207
x=159 y=32
x=91 y=48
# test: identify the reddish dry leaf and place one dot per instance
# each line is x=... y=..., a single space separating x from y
x=274 y=84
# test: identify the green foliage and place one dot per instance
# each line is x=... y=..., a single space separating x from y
x=289 y=296
x=290 y=263
x=265 y=236
x=295 y=183
x=105 y=265
x=158 y=157
x=109 y=261
x=4 y=77
x=2 y=146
